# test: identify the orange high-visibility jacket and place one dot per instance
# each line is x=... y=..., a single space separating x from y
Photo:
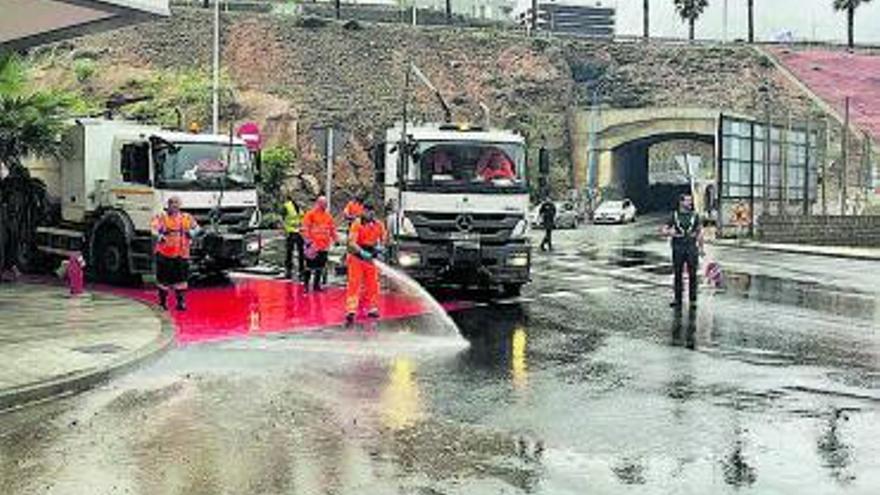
x=367 y=235
x=354 y=209
x=174 y=234
x=319 y=229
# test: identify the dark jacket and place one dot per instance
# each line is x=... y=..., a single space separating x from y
x=548 y=214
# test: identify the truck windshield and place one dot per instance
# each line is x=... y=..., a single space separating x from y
x=468 y=165
x=204 y=166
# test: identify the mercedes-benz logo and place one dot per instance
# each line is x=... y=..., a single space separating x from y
x=464 y=223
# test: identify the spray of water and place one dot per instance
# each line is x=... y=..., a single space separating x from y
x=409 y=285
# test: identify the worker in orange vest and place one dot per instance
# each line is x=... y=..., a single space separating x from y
x=353 y=210
x=173 y=230
x=365 y=243
x=319 y=235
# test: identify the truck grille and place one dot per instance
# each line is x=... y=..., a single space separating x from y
x=490 y=227
x=228 y=216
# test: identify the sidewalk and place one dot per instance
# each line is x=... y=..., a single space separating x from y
x=867 y=254
x=53 y=345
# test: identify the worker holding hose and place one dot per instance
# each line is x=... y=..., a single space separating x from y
x=366 y=239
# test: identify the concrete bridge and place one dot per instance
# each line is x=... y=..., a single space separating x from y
x=623 y=138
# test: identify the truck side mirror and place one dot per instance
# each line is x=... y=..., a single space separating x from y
x=378 y=157
x=543 y=162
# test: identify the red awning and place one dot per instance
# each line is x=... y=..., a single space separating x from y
x=835 y=75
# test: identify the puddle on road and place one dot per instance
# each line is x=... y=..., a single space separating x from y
x=764 y=288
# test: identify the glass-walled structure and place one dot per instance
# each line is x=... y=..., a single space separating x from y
x=766 y=169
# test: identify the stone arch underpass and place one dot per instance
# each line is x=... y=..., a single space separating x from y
x=620 y=140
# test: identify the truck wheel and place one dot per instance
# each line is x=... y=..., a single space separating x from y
x=111 y=257
x=511 y=290
x=31 y=260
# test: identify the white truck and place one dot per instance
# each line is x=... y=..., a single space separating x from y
x=461 y=198
x=116 y=175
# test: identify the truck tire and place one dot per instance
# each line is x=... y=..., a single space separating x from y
x=110 y=259
x=511 y=290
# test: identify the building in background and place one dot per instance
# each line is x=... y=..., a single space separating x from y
x=569 y=17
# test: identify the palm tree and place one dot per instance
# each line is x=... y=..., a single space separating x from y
x=850 y=7
x=690 y=10
x=646 y=20
x=751 y=21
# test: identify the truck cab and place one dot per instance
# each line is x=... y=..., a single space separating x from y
x=116 y=176
x=461 y=199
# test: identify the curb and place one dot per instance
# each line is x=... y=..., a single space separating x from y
x=79 y=381
x=775 y=249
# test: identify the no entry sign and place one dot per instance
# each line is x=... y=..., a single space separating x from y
x=249 y=132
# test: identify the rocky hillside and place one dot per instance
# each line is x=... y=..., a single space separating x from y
x=295 y=74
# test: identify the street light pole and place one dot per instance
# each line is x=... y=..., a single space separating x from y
x=215 y=106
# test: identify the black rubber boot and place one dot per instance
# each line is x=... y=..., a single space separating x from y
x=163 y=299
x=349 y=319
x=318 y=275
x=181 y=299
x=306 y=277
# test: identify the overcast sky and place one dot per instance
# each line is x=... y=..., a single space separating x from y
x=813 y=19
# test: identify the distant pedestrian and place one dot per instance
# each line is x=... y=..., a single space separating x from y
x=319 y=233
x=173 y=230
x=685 y=229
x=293 y=218
x=548 y=219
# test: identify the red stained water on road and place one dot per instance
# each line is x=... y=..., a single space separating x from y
x=250 y=307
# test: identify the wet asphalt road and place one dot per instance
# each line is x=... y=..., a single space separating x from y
x=588 y=384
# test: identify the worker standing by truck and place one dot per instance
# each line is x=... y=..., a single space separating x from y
x=366 y=239
x=173 y=230
x=293 y=218
x=319 y=234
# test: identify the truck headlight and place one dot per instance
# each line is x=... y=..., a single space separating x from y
x=253 y=246
x=407 y=259
x=520 y=230
x=518 y=260
x=407 y=229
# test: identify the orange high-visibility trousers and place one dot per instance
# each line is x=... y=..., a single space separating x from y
x=363 y=285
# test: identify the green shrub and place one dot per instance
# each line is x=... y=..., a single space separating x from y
x=277 y=163
x=84 y=69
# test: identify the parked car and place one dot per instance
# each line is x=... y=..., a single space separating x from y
x=617 y=211
x=567 y=215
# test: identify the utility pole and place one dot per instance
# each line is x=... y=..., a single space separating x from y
x=825 y=152
x=534 y=17
x=215 y=106
x=724 y=22
x=844 y=159
x=329 y=186
x=808 y=158
x=768 y=148
x=784 y=153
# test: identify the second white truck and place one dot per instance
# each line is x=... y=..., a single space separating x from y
x=116 y=175
x=460 y=204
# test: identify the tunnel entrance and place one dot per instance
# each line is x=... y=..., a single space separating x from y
x=650 y=171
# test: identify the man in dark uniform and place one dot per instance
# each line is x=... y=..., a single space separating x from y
x=548 y=218
x=685 y=229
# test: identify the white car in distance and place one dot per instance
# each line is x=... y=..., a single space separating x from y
x=616 y=211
